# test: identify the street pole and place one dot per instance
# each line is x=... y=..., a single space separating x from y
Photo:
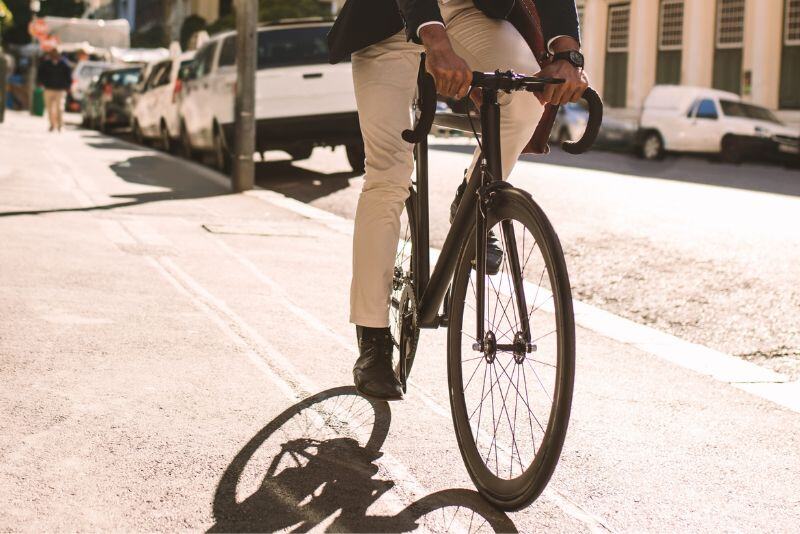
x=245 y=137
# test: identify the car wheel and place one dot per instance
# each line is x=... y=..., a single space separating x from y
x=731 y=151
x=301 y=152
x=186 y=143
x=355 y=156
x=165 y=141
x=652 y=148
x=137 y=133
x=222 y=156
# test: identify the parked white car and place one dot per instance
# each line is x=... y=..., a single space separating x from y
x=302 y=101
x=82 y=75
x=695 y=119
x=157 y=101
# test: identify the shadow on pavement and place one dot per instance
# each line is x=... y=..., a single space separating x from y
x=761 y=177
x=299 y=183
x=172 y=174
x=316 y=463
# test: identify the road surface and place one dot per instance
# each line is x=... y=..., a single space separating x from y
x=177 y=357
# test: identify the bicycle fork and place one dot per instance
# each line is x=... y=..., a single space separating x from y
x=491 y=170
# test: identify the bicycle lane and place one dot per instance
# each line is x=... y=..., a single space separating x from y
x=647 y=438
x=165 y=248
x=651 y=445
x=609 y=468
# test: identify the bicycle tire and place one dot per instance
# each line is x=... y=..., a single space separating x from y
x=518 y=209
x=404 y=284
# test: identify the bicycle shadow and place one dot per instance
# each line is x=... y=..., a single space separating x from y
x=317 y=466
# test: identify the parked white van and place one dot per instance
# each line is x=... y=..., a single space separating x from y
x=302 y=101
x=696 y=119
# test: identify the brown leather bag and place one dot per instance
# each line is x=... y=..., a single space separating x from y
x=525 y=18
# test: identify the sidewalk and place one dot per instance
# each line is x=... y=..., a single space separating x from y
x=156 y=327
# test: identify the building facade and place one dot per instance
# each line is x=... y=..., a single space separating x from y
x=749 y=47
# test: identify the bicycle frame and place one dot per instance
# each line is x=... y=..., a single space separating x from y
x=433 y=287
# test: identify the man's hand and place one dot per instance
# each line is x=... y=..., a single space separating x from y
x=451 y=73
x=575 y=79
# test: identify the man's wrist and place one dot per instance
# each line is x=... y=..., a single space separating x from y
x=564 y=43
x=434 y=37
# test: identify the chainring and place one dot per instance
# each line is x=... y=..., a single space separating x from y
x=409 y=333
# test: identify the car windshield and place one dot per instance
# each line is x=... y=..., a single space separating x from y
x=126 y=77
x=748 y=111
x=293 y=46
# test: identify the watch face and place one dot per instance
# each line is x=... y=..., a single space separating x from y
x=576 y=58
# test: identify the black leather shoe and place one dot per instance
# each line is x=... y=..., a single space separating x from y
x=494 y=254
x=373 y=375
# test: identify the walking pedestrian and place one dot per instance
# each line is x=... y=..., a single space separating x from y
x=55 y=76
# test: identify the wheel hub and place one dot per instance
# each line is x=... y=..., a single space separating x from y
x=489 y=346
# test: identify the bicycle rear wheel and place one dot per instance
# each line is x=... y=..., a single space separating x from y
x=403 y=310
x=511 y=396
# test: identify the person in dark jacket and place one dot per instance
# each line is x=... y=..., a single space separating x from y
x=55 y=76
x=385 y=39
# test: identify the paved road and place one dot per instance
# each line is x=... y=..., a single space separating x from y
x=176 y=357
x=706 y=251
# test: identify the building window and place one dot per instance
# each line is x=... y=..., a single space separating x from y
x=730 y=23
x=670 y=42
x=790 y=60
x=792 y=32
x=618 y=24
x=670 y=31
x=581 y=10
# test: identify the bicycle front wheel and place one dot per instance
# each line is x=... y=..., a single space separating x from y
x=511 y=392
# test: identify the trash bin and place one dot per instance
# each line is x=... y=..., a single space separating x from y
x=37 y=106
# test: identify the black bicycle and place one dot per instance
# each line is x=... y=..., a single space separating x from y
x=511 y=335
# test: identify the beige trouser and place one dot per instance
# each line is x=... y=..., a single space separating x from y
x=385 y=78
x=54 y=104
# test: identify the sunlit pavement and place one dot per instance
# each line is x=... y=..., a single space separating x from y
x=177 y=357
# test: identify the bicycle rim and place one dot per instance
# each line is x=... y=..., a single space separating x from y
x=510 y=402
x=403 y=281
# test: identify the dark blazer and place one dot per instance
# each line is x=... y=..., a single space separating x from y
x=362 y=23
x=52 y=75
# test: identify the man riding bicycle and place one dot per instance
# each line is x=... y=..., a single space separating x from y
x=458 y=38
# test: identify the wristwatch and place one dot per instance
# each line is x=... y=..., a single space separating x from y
x=573 y=56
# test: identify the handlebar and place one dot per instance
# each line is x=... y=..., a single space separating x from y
x=506 y=81
x=592 y=124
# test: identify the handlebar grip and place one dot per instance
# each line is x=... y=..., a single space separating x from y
x=427 y=103
x=592 y=124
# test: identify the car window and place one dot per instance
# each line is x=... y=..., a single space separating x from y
x=185 y=71
x=126 y=77
x=90 y=71
x=204 y=58
x=152 y=77
x=293 y=46
x=749 y=111
x=165 y=74
x=227 y=54
x=707 y=109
